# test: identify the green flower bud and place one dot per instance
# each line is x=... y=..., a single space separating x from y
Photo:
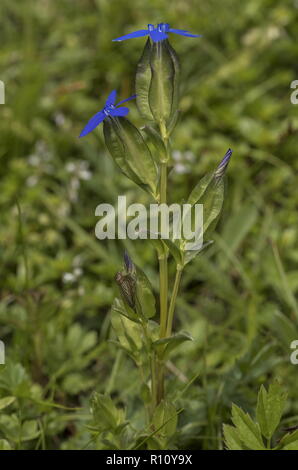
x=157 y=82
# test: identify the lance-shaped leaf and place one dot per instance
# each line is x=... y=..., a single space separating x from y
x=210 y=192
x=165 y=418
x=176 y=80
x=156 y=242
x=145 y=296
x=165 y=346
x=198 y=191
x=137 y=154
x=143 y=80
x=212 y=203
x=122 y=308
x=162 y=82
x=174 y=250
x=172 y=122
x=128 y=332
x=157 y=142
x=117 y=150
x=191 y=254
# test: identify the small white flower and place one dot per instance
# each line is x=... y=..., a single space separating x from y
x=68 y=277
x=181 y=169
x=177 y=155
x=77 y=272
x=31 y=181
x=34 y=160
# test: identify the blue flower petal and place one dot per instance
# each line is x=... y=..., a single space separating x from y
x=157 y=36
x=127 y=99
x=93 y=123
x=183 y=32
x=135 y=34
x=111 y=98
x=123 y=111
x=220 y=170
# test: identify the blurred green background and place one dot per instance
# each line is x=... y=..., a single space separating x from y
x=238 y=301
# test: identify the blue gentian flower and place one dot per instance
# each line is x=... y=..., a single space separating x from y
x=157 y=33
x=110 y=109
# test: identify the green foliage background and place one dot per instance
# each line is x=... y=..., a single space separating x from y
x=58 y=62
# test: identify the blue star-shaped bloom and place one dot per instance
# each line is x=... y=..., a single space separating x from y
x=110 y=109
x=157 y=33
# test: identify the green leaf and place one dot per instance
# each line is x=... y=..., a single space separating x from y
x=29 y=430
x=143 y=80
x=162 y=82
x=6 y=401
x=249 y=432
x=191 y=254
x=200 y=189
x=157 y=243
x=105 y=414
x=137 y=154
x=231 y=437
x=129 y=332
x=270 y=408
x=166 y=345
x=289 y=441
x=145 y=393
x=176 y=78
x=117 y=150
x=172 y=122
x=210 y=193
x=165 y=417
x=4 y=445
x=212 y=204
x=157 y=142
x=122 y=308
x=174 y=250
x=145 y=295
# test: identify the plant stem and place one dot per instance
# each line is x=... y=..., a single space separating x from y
x=154 y=380
x=163 y=270
x=173 y=300
x=163 y=182
x=163 y=287
x=163 y=261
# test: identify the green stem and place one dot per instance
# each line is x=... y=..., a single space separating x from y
x=163 y=286
x=268 y=443
x=163 y=261
x=114 y=373
x=153 y=369
x=173 y=300
x=154 y=381
x=160 y=380
x=163 y=269
x=163 y=182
